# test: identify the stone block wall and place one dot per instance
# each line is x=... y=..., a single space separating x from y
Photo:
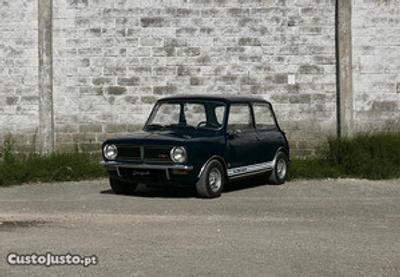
x=376 y=64
x=19 y=70
x=112 y=59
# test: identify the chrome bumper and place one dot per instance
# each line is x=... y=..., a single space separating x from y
x=146 y=166
x=118 y=165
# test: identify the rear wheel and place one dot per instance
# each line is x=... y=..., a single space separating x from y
x=211 y=182
x=280 y=170
x=120 y=187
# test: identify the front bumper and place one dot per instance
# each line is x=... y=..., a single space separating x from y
x=168 y=168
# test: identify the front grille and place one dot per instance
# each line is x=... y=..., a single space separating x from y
x=126 y=152
x=147 y=152
x=157 y=153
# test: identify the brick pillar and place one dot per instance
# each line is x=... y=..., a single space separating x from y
x=45 y=47
x=345 y=103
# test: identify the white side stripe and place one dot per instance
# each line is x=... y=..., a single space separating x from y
x=249 y=169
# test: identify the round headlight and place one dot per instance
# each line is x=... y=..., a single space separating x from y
x=178 y=154
x=110 y=151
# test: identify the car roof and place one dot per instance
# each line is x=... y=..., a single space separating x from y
x=222 y=98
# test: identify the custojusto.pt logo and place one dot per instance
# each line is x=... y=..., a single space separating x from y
x=50 y=259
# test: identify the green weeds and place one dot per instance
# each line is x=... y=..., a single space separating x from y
x=371 y=156
x=19 y=168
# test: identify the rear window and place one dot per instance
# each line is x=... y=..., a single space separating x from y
x=263 y=116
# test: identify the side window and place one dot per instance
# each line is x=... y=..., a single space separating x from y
x=240 y=117
x=219 y=114
x=263 y=116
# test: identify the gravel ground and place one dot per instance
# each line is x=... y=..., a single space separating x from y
x=341 y=227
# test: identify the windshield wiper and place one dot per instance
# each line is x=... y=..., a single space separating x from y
x=155 y=127
x=180 y=126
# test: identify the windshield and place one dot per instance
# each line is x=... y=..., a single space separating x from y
x=187 y=114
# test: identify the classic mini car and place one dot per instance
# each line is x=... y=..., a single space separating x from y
x=203 y=141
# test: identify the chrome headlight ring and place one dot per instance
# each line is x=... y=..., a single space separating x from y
x=110 y=151
x=179 y=154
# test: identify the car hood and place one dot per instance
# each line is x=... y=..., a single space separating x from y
x=153 y=138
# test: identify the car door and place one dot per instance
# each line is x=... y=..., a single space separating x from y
x=242 y=138
x=270 y=137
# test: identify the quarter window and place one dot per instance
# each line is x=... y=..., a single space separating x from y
x=263 y=116
x=240 y=117
x=219 y=114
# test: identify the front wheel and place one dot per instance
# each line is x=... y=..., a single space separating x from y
x=120 y=187
x=211 y=182
x=280 y=170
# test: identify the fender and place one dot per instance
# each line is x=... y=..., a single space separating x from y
x=280 y=149
x=215 y=157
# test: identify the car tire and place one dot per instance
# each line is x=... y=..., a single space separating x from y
x=280 y=170
x=120 y=187
x=212 y=180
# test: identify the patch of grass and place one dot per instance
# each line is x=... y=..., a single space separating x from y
x=371 y=156
x=58 y=166
x=313 y=168
x=53 y=167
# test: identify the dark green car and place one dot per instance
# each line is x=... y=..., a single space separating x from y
x=201 y=141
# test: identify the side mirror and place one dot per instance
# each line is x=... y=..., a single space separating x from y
x=236 y=133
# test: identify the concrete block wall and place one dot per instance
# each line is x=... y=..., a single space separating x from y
x=19 y=70
x=113 y=59
x=376 y=64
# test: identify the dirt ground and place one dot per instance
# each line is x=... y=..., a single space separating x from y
x=341 y=227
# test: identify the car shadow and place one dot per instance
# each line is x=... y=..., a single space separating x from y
x=160 y=192
x=190 y=192
x=244 y=184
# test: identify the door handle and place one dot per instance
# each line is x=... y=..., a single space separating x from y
x=236 y=133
